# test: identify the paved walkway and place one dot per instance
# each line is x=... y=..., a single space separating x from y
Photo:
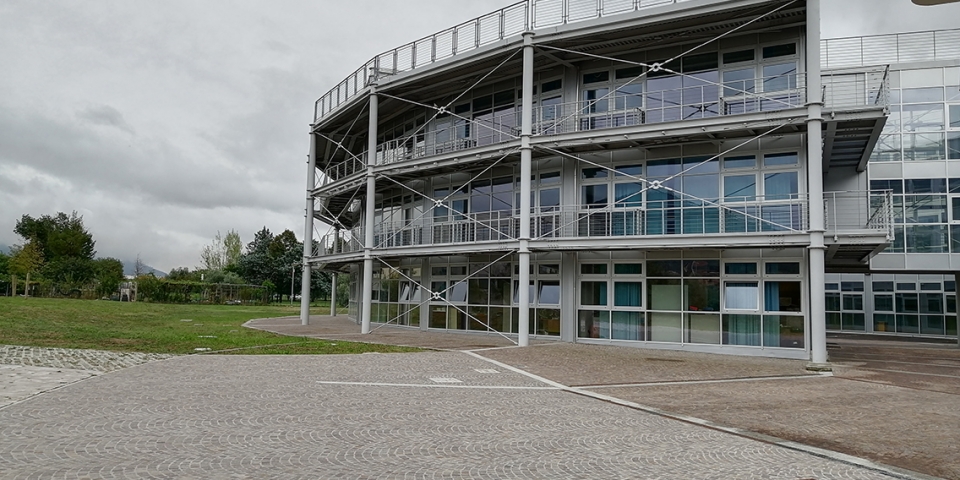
x=478 y=410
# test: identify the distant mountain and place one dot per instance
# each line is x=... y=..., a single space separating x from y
x=128 y=269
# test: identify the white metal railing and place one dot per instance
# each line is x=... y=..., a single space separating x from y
x=891 y=48
x=686 y=103
x=493 y=27
x=859 y=210
x=453 y=135
x=857 y=88
x=853 y=211
x=347 y=167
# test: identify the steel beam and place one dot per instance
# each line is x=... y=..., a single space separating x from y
x=370 y=211
x=308 y=233
x=526 y=159
x=817 y=249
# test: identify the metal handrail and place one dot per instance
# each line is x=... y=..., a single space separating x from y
x=890 y=48
x=859 y=210
x=509 y=21
x=845 y=211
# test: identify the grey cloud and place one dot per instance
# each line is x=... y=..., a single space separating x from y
x=105 y=115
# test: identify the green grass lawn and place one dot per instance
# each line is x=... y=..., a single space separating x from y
x=158 y=328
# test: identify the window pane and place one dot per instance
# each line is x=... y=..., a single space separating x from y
x=883 y=303
x=740 y=162
x=740 y=296
x=664 y=294
x=740 y=268
x=782 y=296
x=780 y=50
x=593 y=269
x=779 y=77
x=628 y=195
x=627 y=326
x=741 y=330
x=664 y=268
x=740 y=187
x=593 y=293
x=593 y=324
x=783 y=185
x=739 y=56
x=594 y=196
x=782 y=268
x=780 y=159
x=628 y=268
x=832 y=303
x=627 y=294
x=549 y=292
x=702 y=295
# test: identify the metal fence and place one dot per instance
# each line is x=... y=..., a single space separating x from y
x=892 y=48
x=485 y=30
x=859 y=210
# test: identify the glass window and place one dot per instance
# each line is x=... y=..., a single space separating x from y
x=596 y=77
x=628 y=195
x=954 y=116
x=593 y=269
x=624 y=170
x=779 y=77
x=628 y=268
x=740 y=268
x=907 y=303
x=883 y=303
x=780 y=186
x=549 y=292
x=741 y=296
x=740 y=187
x=588 y=173
x=916 y=95
x=739 y=56
x=739 y=82
x=780 y=159
x=594 y=196
x=747 y=161
x=782 y=268
x=851 y=286
x=627 y=294
x=882 y=286
x=782 y=296
x=593 y=293
x=832 y=302
x=853 y=302
x=702 y=295
x=741 y=330
x=664 y=268
x=780 y=50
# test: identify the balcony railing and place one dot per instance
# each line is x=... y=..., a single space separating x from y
x=859 y=210
x=853 y=212
x=887 y=49
x=848 y=89
x=346 y=168
x=471 y=35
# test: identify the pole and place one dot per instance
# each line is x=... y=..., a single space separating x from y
x=369 y=213
x=307 y=235
x=333 y=276
x=526 y=159
x=817 y=249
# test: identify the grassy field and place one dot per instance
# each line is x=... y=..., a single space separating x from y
x=158 y=328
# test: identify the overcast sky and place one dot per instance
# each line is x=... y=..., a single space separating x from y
x=164 y=122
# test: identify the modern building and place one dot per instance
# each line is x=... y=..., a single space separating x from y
x=676 y=174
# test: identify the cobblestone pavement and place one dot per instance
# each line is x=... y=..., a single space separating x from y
x=76 y=359
x=29 y=371
x=421 y=415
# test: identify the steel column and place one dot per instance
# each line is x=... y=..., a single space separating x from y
x=369 y=214
x=308 y=233
x=526 y=160
x=817 y=250
x=333 y=276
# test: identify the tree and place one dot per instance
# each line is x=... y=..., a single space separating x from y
x=224 y=252
x=65 y=245
x=57 y=237
x=183 y=274
x=109 y=274
x=26 y=260
x=256 y=264
x=232 y=249
x=139 y=269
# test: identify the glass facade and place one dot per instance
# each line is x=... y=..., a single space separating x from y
x=892 y=304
